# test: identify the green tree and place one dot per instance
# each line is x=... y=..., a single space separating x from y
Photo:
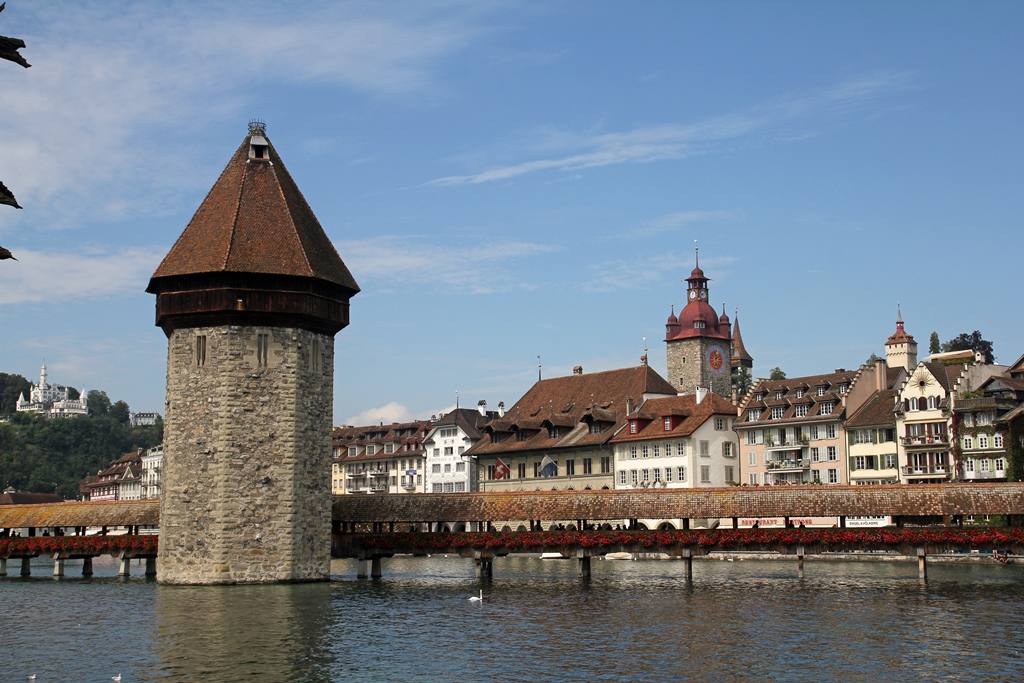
x=11 y=387
x=742 y=381
x=99 y=403
x=872 y=359
x=972 y=342
x=121 y=412
x=777 y=373
x=933 y=343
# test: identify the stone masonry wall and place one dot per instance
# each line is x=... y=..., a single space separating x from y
x=247 y=456
x=687 y=365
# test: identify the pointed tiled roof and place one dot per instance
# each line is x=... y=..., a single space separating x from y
x=255 y=220
x=900 y=336
x=740 y=357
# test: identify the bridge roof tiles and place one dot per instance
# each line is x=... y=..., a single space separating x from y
x=89 y=513
x=796 y=501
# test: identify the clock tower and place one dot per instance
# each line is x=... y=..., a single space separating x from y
x=699 y=341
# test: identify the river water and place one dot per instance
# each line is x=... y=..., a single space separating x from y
x=750 y=620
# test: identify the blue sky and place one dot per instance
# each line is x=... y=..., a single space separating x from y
x=507 y=180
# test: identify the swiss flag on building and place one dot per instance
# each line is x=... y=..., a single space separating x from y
x=501 y=470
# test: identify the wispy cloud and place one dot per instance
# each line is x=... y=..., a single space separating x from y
x=386 y=414
x=78 y=126
x=475 y=268
x=646 y=271
x=681 y=140
x=675 y=222
x=30 y=279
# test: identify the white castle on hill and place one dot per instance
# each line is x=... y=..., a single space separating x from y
x=52 y=400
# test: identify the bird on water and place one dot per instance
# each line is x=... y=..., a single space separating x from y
x=116 y=678
x=478 y=599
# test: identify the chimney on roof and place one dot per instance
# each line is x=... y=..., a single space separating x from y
x=501 y=409
x=840 y=369
x=880 y=375
x=702 y=392
x=481 y=407
x=578 y=370
x=629 y=406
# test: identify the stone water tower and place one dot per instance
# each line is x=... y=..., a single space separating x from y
x=250 y=298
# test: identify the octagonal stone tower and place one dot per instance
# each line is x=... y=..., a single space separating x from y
x=250 y=298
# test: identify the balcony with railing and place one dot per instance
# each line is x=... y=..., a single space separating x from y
x=926 y=440
x=935 y=471
x=789 y=465
x=966 y=405
x=990 y=475
x=787 y=445
x=378 y=488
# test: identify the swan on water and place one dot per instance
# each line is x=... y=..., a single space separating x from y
x=478 y=599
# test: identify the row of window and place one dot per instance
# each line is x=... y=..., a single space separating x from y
x=885 y=435
x=997 y=441
x=922 y=403
x=982 y=465
x=779 y=393
x=436 y=467
x=449 y=487
x=870 y=462
x=569 y=468
x=756 y=437
x=656 y=450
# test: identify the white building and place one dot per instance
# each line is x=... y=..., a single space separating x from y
x=448 y=469
x=143 y=419
x=679 y=442
x=52 y=400
x=683 y=441
x=152 y=464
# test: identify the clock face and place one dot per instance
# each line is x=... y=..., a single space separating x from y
x=703 y=295
x=693 y=294
x=716 y=360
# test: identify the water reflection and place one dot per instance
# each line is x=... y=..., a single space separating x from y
x=750 y=620
x=243 y=633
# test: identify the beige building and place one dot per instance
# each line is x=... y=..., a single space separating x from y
x=791 y=430
x=379 y=458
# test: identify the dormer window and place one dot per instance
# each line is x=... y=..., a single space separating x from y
x=778 y=395
x=699 y=324
x=632 y=427
x=821 y=391
x=552 y=432
x=842 y=389
x=799 y=393
x=668 y=423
